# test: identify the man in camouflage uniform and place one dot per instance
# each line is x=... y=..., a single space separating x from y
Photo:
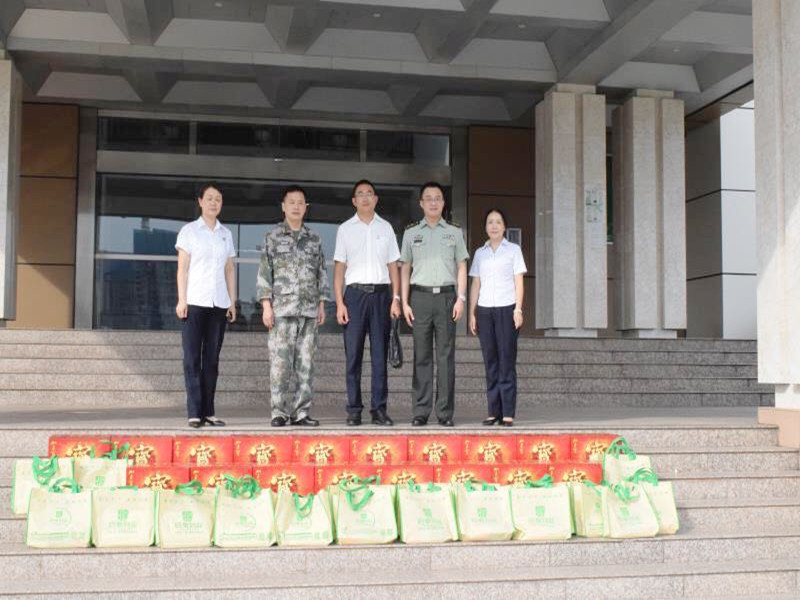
x=292 y=287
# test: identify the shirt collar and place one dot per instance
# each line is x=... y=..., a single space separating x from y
x=356 y=219
x=503 y=242
x=200 y=223
x=288 y=230
x=441 y=223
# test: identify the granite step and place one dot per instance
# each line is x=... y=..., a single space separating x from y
x=661 y=580
x=256 y=367
x=21 y=563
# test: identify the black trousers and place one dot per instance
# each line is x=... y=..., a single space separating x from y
x=203 y=331
x=499 y=347
x=369 y=314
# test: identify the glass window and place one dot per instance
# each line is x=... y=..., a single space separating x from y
x=143 y=135
x=405 y=147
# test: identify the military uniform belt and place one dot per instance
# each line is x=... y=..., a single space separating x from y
x=370 y=288
x=434 y=290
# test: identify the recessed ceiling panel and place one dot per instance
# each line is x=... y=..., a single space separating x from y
x=220 y=10
x=68 y=25
x=88 y=86
x=346 y=100
x=382 y=45
x=633 y=75
x=578 y=10
x=505 y=54
x=728 y=30
x=453 y=5
x=217 y=93
x=84 y=5
x=369 y=18
x=469 y=108
x=218 y=35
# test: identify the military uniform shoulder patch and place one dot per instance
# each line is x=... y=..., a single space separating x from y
x=412 y=224
x=454 y=224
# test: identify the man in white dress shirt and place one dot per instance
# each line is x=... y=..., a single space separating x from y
x=366 y=283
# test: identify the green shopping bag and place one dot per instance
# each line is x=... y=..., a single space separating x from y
x=244 y=515
x=483 y=513
x=364 y=512
x=630 y=514
x=107 y=471
x=303 y=520
x=541 y=510
x=589 y=509
x=32 y=473
x=662 y=498
x=123 y=517
x=425 y=514
x=59 y=516
x=185 y=517
x=621 y=462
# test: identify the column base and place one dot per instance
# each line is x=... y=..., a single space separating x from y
x=788 y=422
x=564 y=332
x=650 y=334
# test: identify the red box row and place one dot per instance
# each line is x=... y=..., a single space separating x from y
x=305 y=479
x=323 y=450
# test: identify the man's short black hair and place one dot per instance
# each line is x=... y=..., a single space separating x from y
x=293 y=188
x=363 y=182
x=431 y=184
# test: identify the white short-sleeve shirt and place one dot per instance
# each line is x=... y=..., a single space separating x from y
x=367 y=249
x=209 y=251
x=496 y=270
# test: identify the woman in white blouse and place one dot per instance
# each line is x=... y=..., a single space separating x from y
x=206 y=298
x=495 y=315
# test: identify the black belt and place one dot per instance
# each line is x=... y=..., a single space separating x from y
x=434 y=290
x=370 y=288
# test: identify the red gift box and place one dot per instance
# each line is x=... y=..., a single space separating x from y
x=402 y=474
x=333 y=475
x=591 y=447
x=490 y=449
x=163 y=477
x=78 y=446
x=543 y=448
x=463 y=473
x=262 y=450
x=322 y=450
x=576 y=471
x=520 y=473
x=202 y=451
x=295 y=478
x=434 y=449
x=146 y=450
x=378 y=449
x=214 y=476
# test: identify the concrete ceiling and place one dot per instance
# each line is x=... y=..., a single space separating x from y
x=426 y=61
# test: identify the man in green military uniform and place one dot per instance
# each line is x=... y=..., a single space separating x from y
x=434 y=284
x=292 y=287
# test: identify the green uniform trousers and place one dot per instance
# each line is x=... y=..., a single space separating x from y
x=433 y=327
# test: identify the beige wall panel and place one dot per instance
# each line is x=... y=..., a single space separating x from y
x=501 y=161
x=49 y=140
x=45 y=296
x=46 y=221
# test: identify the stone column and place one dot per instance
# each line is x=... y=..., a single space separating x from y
x=571 y=285
x=776 y=46
x=10 y=126
x=650 y=215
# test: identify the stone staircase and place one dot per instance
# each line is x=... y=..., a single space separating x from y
x=738 y=492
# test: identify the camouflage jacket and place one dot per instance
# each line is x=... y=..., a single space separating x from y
x=292 y=273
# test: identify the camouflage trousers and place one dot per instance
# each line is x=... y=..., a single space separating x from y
x=292 y=342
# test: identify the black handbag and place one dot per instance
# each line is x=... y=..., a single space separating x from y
x=395 y=349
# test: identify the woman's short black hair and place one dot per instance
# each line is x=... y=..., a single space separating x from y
x=363 y=182
x=499 y=212
x=207 y=186
x=293 y=188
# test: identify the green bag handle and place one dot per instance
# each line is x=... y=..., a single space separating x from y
x=620 y=446
x=125 y=487
x=116 y=451
x=641 y=475
x=65 y=484
x=44 y=469
x=485 y=487
x=193 y=488
x=302 y=510
x=358 y=505
x=357 y=483
x=545 y=482
x=247 y=488
x=625 y=493
x=416 y=488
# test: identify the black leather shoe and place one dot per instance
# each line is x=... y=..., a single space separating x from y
x=379 y=417
x=491 y=421
x=446 y=423
x=306 y=422
x=354 y=420
x=506 y=423
x=419 y=422
x=278 y=421
x=196 y=423
x=214 y=421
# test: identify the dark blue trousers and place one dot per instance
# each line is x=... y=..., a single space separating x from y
x=369 y=315
x=203 y=331
x=499 y=347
